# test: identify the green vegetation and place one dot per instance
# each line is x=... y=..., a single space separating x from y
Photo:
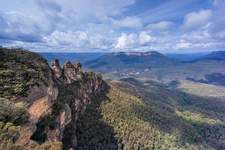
x=201 y=89
x=7 y=133
x=45 y=146
x=92 y=131
x=91 y=74
x=20 y=69
x=150 y=117
x=66 y=95
x=13 y=112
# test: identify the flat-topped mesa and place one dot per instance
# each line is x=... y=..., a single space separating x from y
x=151 y=53
x=56 y=67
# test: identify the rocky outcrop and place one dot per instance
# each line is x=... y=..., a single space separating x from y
x=41 y=98
x=92 y=84
x=56 y=67
x=71 y=72
x=77 y=66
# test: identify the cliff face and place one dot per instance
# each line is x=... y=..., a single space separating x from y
x=43 y=102
x=39 y=100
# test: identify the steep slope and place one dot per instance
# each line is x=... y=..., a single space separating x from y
x=150 y=118
x=43 y=101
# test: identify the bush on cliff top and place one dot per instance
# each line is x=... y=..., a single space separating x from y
x=13 y=112
x=19 y=69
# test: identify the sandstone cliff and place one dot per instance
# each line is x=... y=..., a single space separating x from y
x=45 y=100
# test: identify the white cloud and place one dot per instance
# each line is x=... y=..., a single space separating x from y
x=161 y=26
x=126 y=41
x=144 y=38
x=130 y=22
x=97 y=10
x=217 y=29
x=100 y=25
x=17 y=26
x=135 y=41
x=78 y=40
x=183 y=45
x=102 y=29
x=193 y=21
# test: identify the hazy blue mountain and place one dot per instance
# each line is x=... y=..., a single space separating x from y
x=157 y=66
x=214 y=54
x=115 y=62
x=70 y=56
x=187 y=56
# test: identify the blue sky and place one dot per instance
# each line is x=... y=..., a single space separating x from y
x=167 y=26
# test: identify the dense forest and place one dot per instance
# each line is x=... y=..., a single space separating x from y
x=150 y=119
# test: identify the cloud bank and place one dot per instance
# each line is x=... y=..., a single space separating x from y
x=105 y=25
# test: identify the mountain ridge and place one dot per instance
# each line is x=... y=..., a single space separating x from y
x=135 y=53
x=159 y=67
x=214 y=54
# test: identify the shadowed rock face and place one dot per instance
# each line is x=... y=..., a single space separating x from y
x=63 y=119
x=40 y=100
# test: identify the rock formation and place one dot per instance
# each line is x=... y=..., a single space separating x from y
x=72 y=72
x=56 y=67
x=77 y=66
x=41 y=98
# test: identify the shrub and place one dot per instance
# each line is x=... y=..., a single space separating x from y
x=13 y=112
x=7 y=133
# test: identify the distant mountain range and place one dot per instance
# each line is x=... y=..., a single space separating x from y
x=215 y=54
x=187 y=56
x=70 y=56
x=86 y=57
x=160 y=67
x=115 y=62
x=197 y=56
x=197 y=67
